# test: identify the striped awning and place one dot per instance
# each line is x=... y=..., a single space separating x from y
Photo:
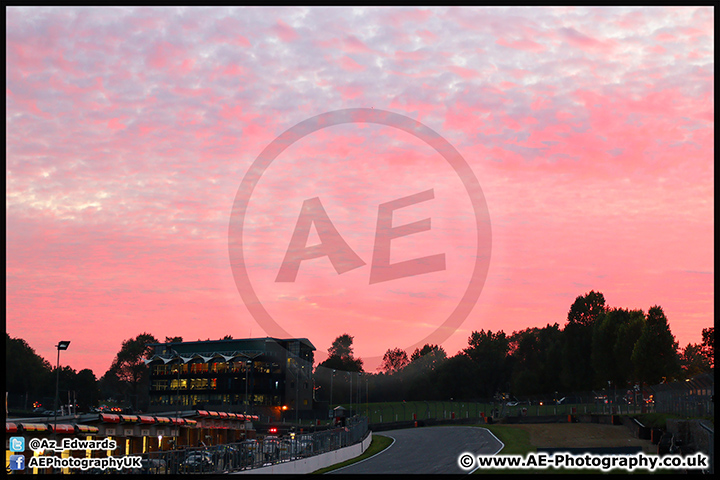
x=10 y=427
x=62 y=428
x=33 y=427
x=109 y=418
x=146 y=419
x=190 y=422
x=87 y=429
x=163 y=420
x=203 y=413
x=178 y=421
x=130 y=418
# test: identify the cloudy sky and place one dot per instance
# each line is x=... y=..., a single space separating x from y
x=131 y=130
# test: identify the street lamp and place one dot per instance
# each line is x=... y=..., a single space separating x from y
x=62 y=345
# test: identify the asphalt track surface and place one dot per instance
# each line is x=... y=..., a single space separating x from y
x=426 y=450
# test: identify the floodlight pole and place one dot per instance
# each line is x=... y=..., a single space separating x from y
x=62 y=345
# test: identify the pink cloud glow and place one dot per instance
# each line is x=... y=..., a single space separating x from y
x=129 y=132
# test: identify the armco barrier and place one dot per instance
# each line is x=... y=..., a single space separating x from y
x=311 y=464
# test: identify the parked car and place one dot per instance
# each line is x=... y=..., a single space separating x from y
x=198 y=462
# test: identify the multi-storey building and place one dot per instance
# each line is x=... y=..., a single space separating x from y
x=246 y=375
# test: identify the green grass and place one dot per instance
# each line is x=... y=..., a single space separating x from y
x=386 y=412
x=377 y=444
x=656 y=420
x=517 y=442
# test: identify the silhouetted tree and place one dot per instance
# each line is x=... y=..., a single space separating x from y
x=576 y=368
x=394 y=360
x=489 y=352
x=27 y=374
x=87 y=390
x=614 y=335
x=586 y=309
x=130 y=369
x=458 y=378
x=335 y=372
x=536 y=354
x=340 y=355
x=708 y=345
x=693 y=362
x=655 y=354
x=417 y=376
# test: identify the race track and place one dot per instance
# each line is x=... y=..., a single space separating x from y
x=429 y=450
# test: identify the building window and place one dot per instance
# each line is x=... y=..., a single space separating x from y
x=199 y=383
x=160 y=369
x=175 y=384
x=159 y=385
x=199 y=368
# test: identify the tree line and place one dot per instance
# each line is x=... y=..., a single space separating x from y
x=30 y=379
x=598 y=347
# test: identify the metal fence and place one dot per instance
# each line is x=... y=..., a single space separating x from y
x=691 y=398
x=599 y=402
x=254 y=453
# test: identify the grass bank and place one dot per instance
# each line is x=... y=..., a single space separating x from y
x=378 y=444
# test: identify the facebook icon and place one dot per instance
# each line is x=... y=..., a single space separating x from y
x=17 y=462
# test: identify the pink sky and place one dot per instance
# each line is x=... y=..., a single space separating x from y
x=129 y=132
